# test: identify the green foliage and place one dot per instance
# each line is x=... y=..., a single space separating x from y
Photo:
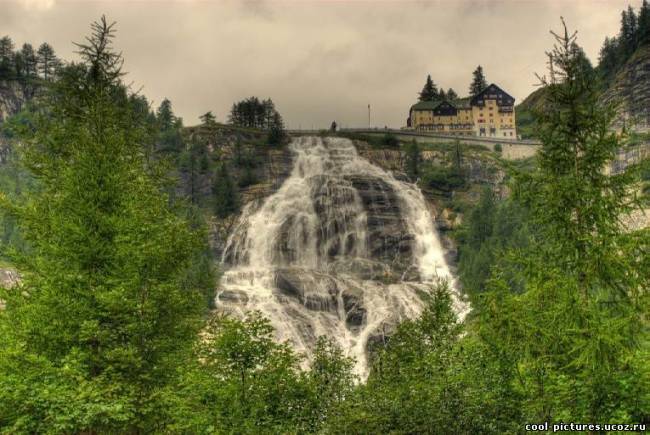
x=478 y=82
x=106 y=302
x=428 y=380
x=241 y=380
x=413 y=159
x=389 y=140
x=491 y=229
x=429 y=92
x=442 y=178
x=225 y=194
x=578 y=320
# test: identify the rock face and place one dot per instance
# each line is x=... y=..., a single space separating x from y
x=631 y=89
x=339 y=247
x=12 y=98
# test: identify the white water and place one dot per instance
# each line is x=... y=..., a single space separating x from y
x=313 y=235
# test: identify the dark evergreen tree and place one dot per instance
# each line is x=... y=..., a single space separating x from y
x=644 y=24
x=224 y=192
x=429 y=92
x=106 y=305
x=208 y=120
x=277 y=134
x=452 y=95
x=47 y=61
x=413 y=158
x=478 y=82
x=333 y=126
x=165 y=115
x=442 y=95
x=6 y=58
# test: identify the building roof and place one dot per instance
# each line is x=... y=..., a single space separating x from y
x=459 y=103
x=462 y=103
x=426 y=105
x=503 y=98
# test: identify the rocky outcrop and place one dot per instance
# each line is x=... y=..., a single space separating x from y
x=630 y=90
x=388 y=237
x=12 y=98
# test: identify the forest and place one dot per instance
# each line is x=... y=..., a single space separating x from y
x=112 y=330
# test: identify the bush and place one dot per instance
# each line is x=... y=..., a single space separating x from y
x=390 y=140
x=443 y=178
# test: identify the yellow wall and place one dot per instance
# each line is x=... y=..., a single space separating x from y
x=467 y=120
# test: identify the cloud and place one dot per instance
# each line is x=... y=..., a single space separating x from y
x=37 y=5
x=318 y=60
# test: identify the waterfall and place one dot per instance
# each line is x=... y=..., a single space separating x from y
x=342 y=249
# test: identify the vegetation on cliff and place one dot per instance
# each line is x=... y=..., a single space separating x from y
x=108 y=333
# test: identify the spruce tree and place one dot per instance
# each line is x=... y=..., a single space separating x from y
x=208 y=120
x=107 y=305
x=413 y=158
x=6 y=58
x=478 y=82
x=429 y=91
x=224 y=192
x=644 y=23
x=47 y=61
x=451 y=95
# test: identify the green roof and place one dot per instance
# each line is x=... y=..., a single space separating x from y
x=459 y=103
x=426 y=105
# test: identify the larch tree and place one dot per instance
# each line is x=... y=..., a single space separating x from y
x=106 y=306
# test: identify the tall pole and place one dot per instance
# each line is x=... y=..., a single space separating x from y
x=368 y=115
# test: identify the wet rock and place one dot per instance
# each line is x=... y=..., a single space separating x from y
x=315 y=291
x=356 y=313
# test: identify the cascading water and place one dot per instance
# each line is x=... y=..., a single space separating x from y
x=342 y=249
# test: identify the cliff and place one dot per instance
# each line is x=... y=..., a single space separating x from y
x=12 y=98
x=630 y=90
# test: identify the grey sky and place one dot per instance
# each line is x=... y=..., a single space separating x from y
x=318 y=60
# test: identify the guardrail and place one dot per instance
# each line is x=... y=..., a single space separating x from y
x=414 y=133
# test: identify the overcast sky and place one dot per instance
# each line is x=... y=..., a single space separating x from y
x=318 y=60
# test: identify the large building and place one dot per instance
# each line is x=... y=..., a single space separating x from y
x=491 y=113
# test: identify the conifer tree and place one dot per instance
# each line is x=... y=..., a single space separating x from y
x=165 y=115
x=47 y=61
x=107 y=304
x=208 y=120
x=429 y=91
x=6 y=58
x=413 y=158
x=451 y=95
x=225 y=194
x=478 y=82
x=582 y=280
x=644 y=23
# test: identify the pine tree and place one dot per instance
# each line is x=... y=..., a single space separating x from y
x=6 y=58
x=107 y=304
x=208 y=120
x=644 y=23
x=413 y=159
x=277 y=134
x=225 y=195
x=452 y=95
x=47 y=61
x=478 y=82
x=429 y=91
x=442 y=95
x=165 y=115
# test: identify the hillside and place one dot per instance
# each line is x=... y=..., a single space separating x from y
x=631 y=90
